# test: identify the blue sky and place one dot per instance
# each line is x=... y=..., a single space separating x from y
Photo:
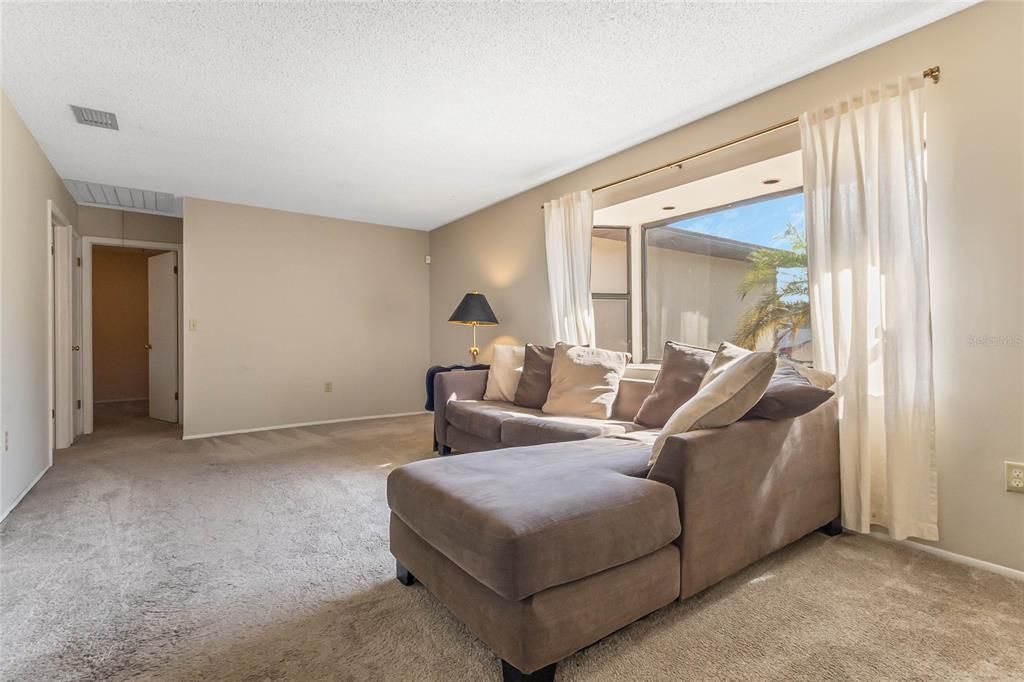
x=756 y=223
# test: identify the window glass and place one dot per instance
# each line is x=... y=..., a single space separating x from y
x=611 y=323
x=735 y=273
x=610 y=287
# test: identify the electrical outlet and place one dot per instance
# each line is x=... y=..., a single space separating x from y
x=328 y=387
x=1015 y=477
x=426 y=259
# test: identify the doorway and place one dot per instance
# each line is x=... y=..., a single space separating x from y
x=134 y=331
x=148 y=279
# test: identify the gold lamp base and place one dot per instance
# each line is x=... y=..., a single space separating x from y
x=474 y=350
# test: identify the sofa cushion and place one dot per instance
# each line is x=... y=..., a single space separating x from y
x=535 y=430
x=483 y=418
x=682 y=369
x=584 y=381
x=511 y=521
x=535 y=382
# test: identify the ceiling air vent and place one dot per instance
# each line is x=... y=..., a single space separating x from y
x=95 y=117
x=125 y=198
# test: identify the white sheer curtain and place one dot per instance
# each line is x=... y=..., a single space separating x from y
x=867 y=239
x=568 y=224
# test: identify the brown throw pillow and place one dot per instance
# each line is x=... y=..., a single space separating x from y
x=682 y=369
x=789 y=395
x=584 y=381
x=722 y=400
x=535 y=382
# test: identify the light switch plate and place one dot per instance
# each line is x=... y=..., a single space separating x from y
x=1015 y=477
x=193 y=325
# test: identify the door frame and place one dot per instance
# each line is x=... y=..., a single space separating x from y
x=87 y=379
x=55 y=218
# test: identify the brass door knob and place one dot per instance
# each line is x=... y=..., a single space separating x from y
x=149 y=346
x=75 y=348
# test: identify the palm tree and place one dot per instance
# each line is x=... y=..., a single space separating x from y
x=783 y=307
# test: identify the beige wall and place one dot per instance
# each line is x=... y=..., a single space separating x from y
x=108 y=222
x=692 y=298
x=120 y=324
x=976 y=210
x=27 y=181
x=285 y=302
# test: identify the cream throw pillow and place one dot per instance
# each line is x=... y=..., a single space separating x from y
x=735 y=388
x=504 y=373
x=584 y=381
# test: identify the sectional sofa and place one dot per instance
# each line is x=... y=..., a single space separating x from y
x=557 y=532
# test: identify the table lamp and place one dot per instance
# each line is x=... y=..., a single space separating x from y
x=474 y=310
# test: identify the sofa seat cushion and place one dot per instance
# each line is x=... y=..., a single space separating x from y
x=483 y=418
x=534 y=430
x=521 y=520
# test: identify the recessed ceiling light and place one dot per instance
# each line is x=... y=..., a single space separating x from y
x=771 y=181
x=668 y=208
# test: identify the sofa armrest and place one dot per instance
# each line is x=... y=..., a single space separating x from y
x=455 y=385
x=748 y=489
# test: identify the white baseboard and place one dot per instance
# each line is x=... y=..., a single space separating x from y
x=300 y=424
x=954 y=557
x=24 y=493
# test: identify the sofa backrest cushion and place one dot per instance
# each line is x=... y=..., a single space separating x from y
x=724 y=399
x=682 y=369
x=632 y=394
x=535 y=382
x=584 y=381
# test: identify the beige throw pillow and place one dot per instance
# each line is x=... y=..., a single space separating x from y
x=726 y=354
x=734 y=389
x=584 y=381
x=504 y=373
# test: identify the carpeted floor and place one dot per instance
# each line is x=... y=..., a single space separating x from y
x=264 y=557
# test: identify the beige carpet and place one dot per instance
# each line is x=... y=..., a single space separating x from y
x=264 y=557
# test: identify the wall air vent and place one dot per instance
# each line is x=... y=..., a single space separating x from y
x=124 y=198
x=95 y=117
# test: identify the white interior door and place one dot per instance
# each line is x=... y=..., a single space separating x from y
x=163 y=336
x=63 y=324
x=76 y=334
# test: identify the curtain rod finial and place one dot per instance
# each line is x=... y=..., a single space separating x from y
x=934 y=73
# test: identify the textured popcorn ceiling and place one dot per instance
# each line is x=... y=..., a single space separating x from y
x=402 y=114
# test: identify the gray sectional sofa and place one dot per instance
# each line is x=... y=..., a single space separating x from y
x=564 y=534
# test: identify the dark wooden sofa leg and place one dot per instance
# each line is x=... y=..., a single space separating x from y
x=403 y=574
x=445 y=450
x=510 y=673
x=833 y=527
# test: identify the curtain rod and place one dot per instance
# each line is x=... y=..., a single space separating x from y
x=934 y=73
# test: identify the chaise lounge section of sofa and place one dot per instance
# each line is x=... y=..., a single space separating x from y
x=544 y=550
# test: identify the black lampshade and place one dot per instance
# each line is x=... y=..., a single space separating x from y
x=474 y=309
